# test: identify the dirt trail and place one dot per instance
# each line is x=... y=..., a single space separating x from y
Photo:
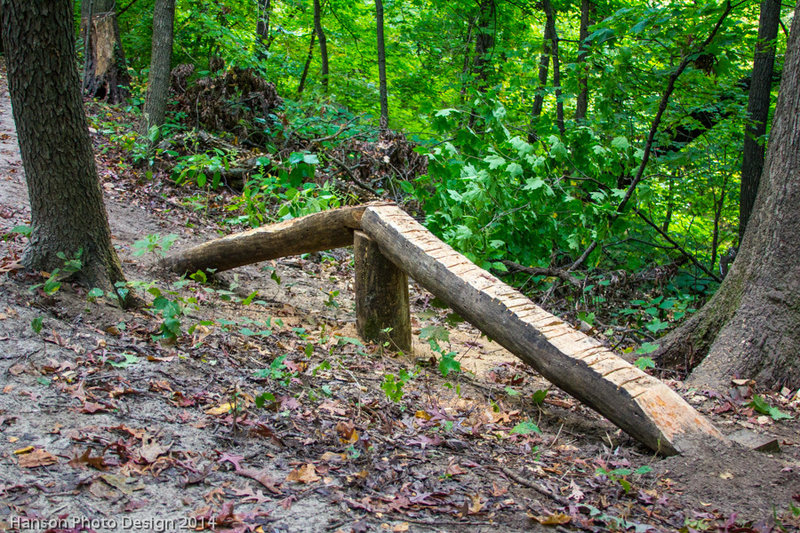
x=104 y=429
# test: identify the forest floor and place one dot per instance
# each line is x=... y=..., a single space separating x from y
x=105 y=428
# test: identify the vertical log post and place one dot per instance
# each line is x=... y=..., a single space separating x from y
x=381 y=296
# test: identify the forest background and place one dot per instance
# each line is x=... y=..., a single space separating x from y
x=565 y=145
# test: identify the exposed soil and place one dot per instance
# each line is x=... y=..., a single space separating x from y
x=106 y=429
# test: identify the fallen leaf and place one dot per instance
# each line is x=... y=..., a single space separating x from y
x=331 y=457
x=726 y=475
x=151 y=449
x=555 y=519
x=400 y=528
x=126 y=485
x=304 y=474
x=36 y=458
x=87 y=459
x=347 y=432
x=222 y=409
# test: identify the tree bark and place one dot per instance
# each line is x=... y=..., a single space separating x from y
x=750 y=327
x=582 y=102
x=384 y=98
x=323 y=44
x=319 y=231
x=67 y=211
x=155 y=104
x=105 y=73
x=638 y=403
x=758 y=109
x=381 y=297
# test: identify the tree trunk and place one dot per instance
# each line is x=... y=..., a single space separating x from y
x=750 y=327
x=582 y=102
x=384 y=124
x=155 y=104
x=758 y=109
x=484 y=43
x=323 y=44
x=551 y=21
x=544 y=62
x=381 y=296
x=105 y=73
x=310 y=55
x=262 y=26
x=67 y=211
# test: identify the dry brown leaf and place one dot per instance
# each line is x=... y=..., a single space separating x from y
x=36 y=458
x=151 y=449
x=555 y=519
x=347 y=432
x=304 y=474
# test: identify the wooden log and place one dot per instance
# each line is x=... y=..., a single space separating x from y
x=638 y=403
x=319 y=231
x=381 y=297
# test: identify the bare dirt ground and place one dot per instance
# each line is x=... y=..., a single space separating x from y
x=104 y=428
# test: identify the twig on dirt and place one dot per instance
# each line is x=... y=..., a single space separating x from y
x=538 y=488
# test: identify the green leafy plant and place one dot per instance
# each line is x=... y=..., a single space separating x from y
x=760 y=405
x=393 y=385
x=620 y=475
x=157 y=244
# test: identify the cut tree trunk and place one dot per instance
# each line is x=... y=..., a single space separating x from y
x=635 y=401
x=105 y=73
x=749 y=329
x=381 y=297
x=67 y=211
x=311 y=233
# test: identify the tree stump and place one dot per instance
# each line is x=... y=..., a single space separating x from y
x=381 y=297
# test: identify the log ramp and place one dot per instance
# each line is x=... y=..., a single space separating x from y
x=638 y=403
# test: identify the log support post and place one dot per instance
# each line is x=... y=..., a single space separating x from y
x=381 y=296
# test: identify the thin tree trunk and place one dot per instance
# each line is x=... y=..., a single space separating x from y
x=105 y=74
x=749 y=328
x=466 y=64
x=384 y=123
x=544 y=62
x=67 y=212
x=310 y=55
x=155 y=104
x=582 y=102
x=551 y=21
x=262 y=26
x=758 y=109
x=323 y=44
x=484 y=42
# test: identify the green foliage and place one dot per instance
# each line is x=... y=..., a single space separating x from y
x=526 y=428
x=393 y=385
x=761 y=406
x=156 y=244
x=36 y=325
x=620 y=475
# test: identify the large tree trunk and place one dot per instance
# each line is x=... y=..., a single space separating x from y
x=382 y=67
x=323 y=43
x=155 y=104
x=105 y=74
x=750 y=328
x=758 y=108
x=67 y=212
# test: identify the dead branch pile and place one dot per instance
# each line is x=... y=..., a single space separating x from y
x=230 y=102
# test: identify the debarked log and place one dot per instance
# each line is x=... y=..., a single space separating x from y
x=640 y=404
x=312 y=233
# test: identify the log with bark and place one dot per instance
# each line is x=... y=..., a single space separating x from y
x=311 y=233
x=638 y=403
